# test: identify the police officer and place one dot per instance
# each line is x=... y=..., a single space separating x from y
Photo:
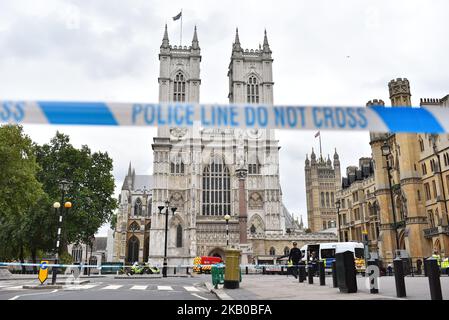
x=295 y=256
x=435 y=255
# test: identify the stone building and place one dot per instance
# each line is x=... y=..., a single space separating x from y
x=359 y=211
x=322 y=182
x=417 y=185
x=207 y=173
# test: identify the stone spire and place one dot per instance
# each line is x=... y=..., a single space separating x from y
x=313 y=157
x=236 y=46
x=301 y=224
x=195 y=43
x=336 y=158
x=165 y=42
x=307 y=160
x=266 y=46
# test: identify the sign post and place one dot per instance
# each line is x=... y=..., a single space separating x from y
x=43 y=272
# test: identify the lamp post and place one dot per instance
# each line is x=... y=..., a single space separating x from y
x=167 y=210
x=227 y=217
x=386 y=152
x=337 y=204
x=57 y=206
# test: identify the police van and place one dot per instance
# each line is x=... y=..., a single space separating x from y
x=326 y=253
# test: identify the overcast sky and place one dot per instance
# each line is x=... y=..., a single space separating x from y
x=325 y=52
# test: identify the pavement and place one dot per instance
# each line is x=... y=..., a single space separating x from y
x=277 y=287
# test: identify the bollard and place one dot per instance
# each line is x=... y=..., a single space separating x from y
x=263 y=270
x=301 y=273
x=187 y=270
x=399 y=277
x=282 y=270
x=334 y=274
x=375 y=282
x=310 y=273
x=174 y=270
x=433 y=272
x=246 y=269
x=322 y=271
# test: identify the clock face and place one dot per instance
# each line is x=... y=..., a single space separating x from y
x=178 y=132
x=254 y=133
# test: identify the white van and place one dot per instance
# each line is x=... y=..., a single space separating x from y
x=326 y=252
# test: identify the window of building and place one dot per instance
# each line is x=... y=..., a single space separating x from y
x=332 y=200
x=434 y=187
x=428 y=194
x=254 y=168
x=430 y=217
x=77 y=253
x=322 y=199
x=421 y=144
x=216 y=188
x=133 y=227
x=252 y=90
x=327 y=200
x=179 y=88
x=272 y=251
x=138 y=207
x=286 y=251
x=179 y=236
x=432 y=165
x=424 y=168
x=177 y=166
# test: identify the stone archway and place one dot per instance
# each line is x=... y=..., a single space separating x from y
x=217 y=252
x=437 y=246
x=402 y=240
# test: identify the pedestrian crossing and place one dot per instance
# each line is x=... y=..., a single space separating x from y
x=110 y=287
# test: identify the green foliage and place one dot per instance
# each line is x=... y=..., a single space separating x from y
x=29 y=185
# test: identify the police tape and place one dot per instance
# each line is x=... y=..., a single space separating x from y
x=429 y=119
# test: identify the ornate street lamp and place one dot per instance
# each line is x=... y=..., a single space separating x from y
x=173 y=209
x=337 y=204
x=227 y=217
x=386 y=152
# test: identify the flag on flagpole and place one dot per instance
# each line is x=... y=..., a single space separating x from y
x=317 y=134
x=179 y=15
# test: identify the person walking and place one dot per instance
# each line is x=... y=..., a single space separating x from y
x=295 y=256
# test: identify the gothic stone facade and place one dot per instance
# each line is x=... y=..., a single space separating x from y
x=419 y=183
x=359 y=211
x=322 y=182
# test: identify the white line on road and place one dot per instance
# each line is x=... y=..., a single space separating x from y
x=13 y=288
x=139 y=287
x=196 y=295
x=192 y=289
x=112 y=287
x=164 y=288
x=32 y=294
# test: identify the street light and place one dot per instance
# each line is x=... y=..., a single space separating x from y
x=173 y=209
x=227 y=217
x=337 y=204
x=57 y=206
x=386 y=152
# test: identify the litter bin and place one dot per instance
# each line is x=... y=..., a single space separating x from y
x=232 y=270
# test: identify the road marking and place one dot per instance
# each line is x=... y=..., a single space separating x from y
x=80 y=287
x=196 y=295
x=139 y=287
x=192 y=289
x=112 y=287
x=32 y=294
x=164 y=288
x=13 y=288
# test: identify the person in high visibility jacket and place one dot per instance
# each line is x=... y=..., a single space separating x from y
x=435 y=255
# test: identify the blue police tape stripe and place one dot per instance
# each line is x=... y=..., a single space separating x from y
x=80 y=113
x=406 y=119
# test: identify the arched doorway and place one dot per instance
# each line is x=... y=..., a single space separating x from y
x=146 y=249
x=133 y=249
x=437 y=246
x=217 y=252
x=402 y=240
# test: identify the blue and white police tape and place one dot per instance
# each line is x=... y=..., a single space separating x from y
x=429 y=119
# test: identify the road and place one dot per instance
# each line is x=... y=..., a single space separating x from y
x=109 y=288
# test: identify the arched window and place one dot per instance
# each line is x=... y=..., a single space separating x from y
x=332 y=200
x=272 y=251
x=179 y=88
x=133 y=249
x=254 y=168
x=176 y=165
x=252 y=229
x=430 y=215
x=252 y=90
x=133 y=227
x=286 y=251
x=179 y=236
x=77 y=253
x=138 y=207
x=216 y=188
x=327 y=199
x=322 y=199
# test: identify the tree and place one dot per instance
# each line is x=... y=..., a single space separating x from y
x=91 y=189
x=19 y=190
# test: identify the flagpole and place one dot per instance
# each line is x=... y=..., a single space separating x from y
x=180 y=42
